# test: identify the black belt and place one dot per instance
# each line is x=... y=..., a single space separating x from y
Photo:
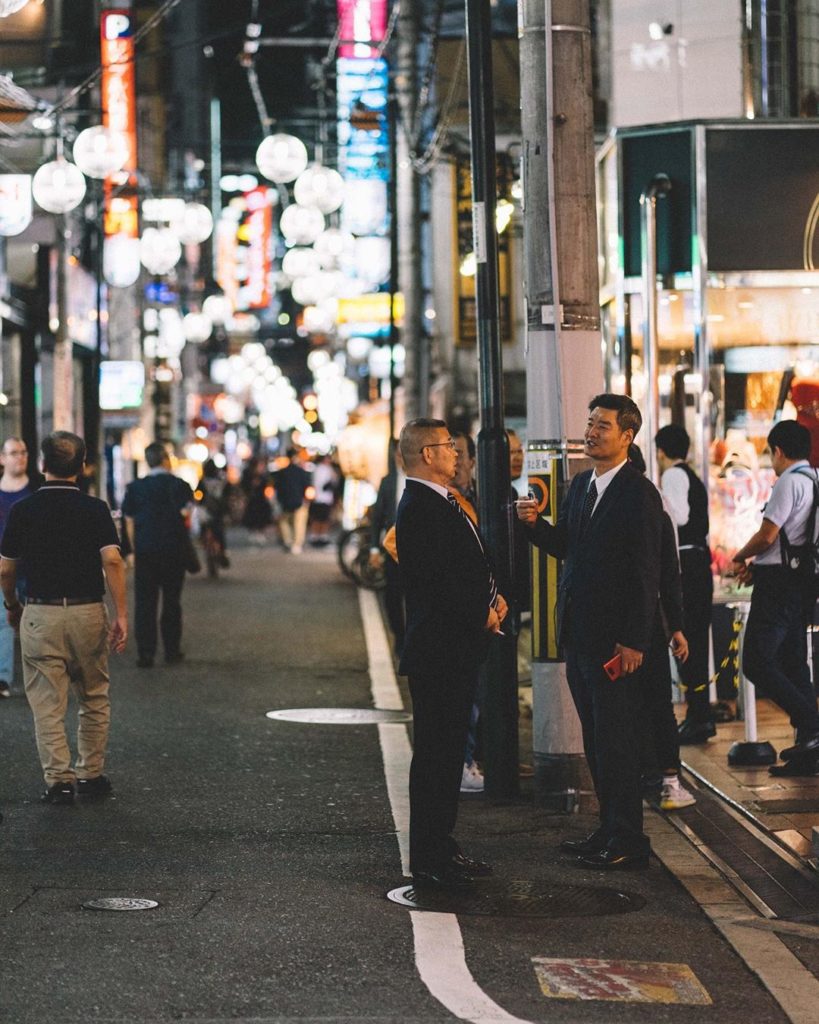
x=64 y=601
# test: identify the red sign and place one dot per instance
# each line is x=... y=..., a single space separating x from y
x=119 y=108
x=361 y=23
x=258 y=227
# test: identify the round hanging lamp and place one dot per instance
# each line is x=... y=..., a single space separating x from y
x=159 y=250
x=120 y=260
x=321 y=187
x=194 y=226
x=100 y=151
x=58 y=186
x=281 y=158
x=301 y=225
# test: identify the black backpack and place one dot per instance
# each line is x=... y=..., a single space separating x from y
x=804 y=558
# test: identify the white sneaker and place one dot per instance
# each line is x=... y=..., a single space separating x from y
x=674 y=795
x=472 y=779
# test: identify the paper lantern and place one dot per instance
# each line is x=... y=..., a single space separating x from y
x=100 y=151
x=120 y=261
x=321 y=187
x=300 y=262
x=301 y=225
x=281 y=158
x=198 y=327
x=58 y=186
x=195 y=224
x=159 y=250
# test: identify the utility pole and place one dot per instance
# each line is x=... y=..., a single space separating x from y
x=416 y=374
x=563 y=359
x=500 y=703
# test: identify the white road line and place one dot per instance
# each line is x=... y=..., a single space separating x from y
x=439 y=949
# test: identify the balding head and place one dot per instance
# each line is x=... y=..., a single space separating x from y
x=428 y=451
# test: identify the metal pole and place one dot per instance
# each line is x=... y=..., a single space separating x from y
x=63 y=369
x=500 y=705
x=215 y=176
x=660 y=186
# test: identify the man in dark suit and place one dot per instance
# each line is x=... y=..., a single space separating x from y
x=453 y=608
x=608 y=533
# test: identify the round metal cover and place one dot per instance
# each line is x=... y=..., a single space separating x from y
x=120 y=903
x=519 y=899
x=340 y=716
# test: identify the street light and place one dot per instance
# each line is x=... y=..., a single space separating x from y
x=58 y=186
x=100 y=151
x=281 y=158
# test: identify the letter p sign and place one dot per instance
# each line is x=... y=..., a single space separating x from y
x=116 y=25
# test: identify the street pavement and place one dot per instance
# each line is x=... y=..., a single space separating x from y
x=270 y=847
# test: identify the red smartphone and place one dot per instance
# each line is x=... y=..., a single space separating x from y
x=614 y=667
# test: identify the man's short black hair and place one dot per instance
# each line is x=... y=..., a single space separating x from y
x=155 y=454
x=413 y=435
x=635 y=457
x=471 y=450
x=792 y=438
x=628 y=415
x=673 y=440
x=63 y=454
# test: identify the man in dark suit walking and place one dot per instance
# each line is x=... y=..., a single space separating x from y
x=453 y=608
x=608 y=533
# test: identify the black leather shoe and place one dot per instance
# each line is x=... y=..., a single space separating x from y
x=59 y=793
x=100 y=785
x=582 y=847
x=611 y=860
x=145 y=663
x=799 y=750
x=442 y=878
x=696 y=732
x=475 y=868
x=796 y=768
x=174 y=658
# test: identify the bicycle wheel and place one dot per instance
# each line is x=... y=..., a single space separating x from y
x=350 y=544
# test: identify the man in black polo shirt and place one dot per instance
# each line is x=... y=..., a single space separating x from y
x=154 y=507
x=67 y=541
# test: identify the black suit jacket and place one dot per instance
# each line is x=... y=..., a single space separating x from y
x=610 y=581
x=446 y=580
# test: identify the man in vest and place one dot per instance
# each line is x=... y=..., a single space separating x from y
x=687 y=498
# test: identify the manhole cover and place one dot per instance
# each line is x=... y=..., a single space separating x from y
x=519 y=899
x=340 y=716
x=120 y=903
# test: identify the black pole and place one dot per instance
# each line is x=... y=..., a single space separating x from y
x=500 y=696
x=392 y=201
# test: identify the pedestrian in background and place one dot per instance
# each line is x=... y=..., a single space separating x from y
x=687 y=500
x=154 y=509
x=325 y=486
x=291 y=483
x=69 y=545
x=382 y=525
x=775 y=649
x=608 y=534
x=258 y=514
x=453 y=608
x=14 y=486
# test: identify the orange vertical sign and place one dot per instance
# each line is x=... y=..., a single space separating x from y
x=119 y=112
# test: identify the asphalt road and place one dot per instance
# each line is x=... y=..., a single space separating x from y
x=270 y=847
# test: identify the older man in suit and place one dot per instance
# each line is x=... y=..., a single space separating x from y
x=608 y=533
x=453 y=608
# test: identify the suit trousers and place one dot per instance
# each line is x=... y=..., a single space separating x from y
x=697 y=591
x=67 y=648
x=158 y=573
x=775 y=650
x=610 y=717
x=660 y=740
x=441 y=704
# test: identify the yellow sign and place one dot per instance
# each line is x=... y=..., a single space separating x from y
x=373 y=308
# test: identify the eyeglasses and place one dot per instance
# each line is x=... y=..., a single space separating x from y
x=438 y=444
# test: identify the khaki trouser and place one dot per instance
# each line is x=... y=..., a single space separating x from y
x=294 y=527
x=66 y=646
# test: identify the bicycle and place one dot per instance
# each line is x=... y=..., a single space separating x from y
x=353 y=550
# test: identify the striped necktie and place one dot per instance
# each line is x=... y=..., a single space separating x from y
x=588 y=507
x=493 y=586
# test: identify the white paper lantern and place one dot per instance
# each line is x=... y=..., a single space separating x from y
x=100 y=151
x=120 y=261
x=281 y=158
x=217 y=308
x=300 y=262
x=371 y=260
x=8 y=7
x=194 y=226
x=365 y=206
x=159 y=250
x=318 y=320
x=198 y=327
x=321 y=187
x=301 y=225
x=359 y=348
x=58 y=186
x=331 y=246
x=305 y=290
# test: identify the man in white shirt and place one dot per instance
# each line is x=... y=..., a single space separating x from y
x=775 y=656
x=687 y=501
